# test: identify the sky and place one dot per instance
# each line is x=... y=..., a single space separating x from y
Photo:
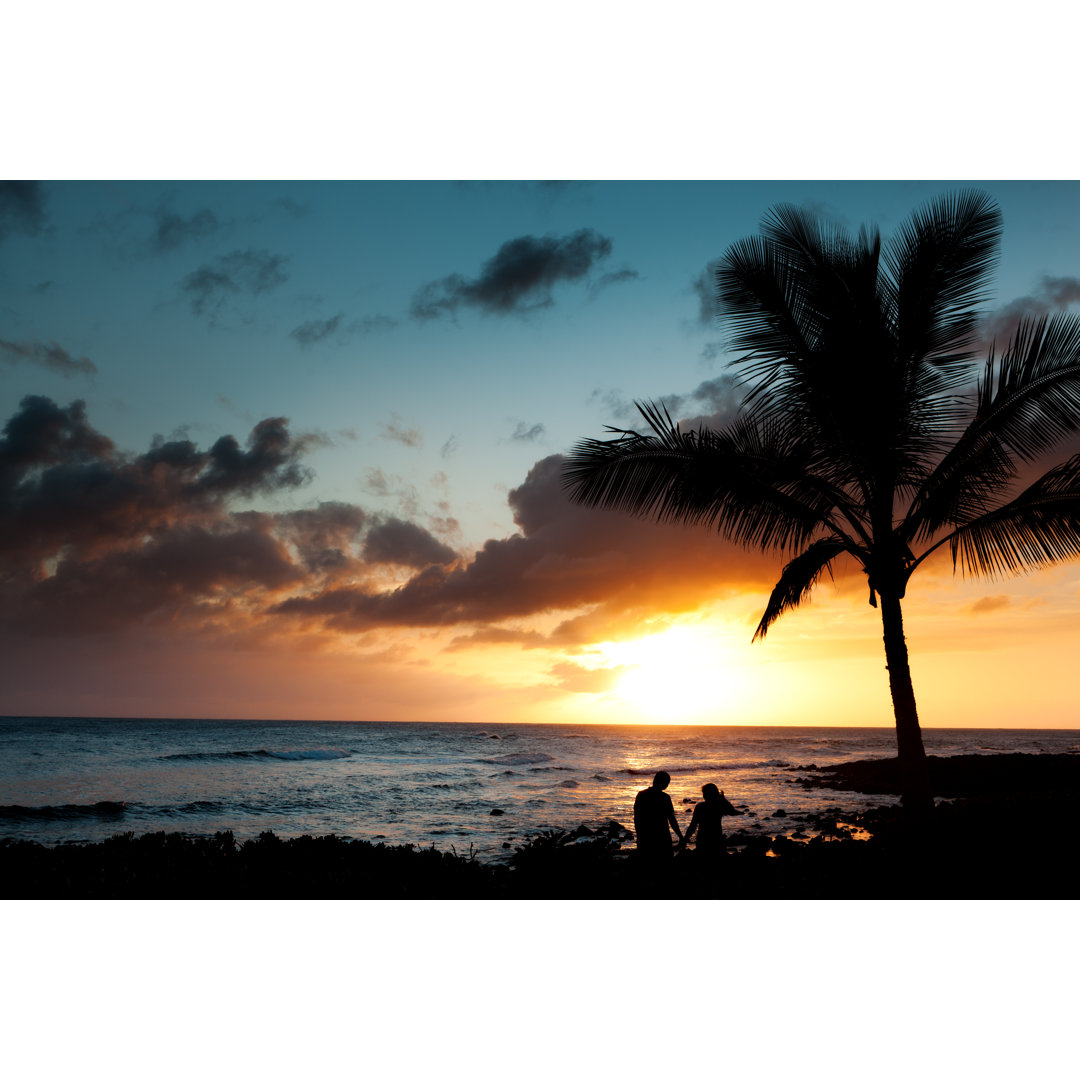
x=292 y=450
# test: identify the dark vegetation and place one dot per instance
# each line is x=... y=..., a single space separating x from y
x=1005 y=833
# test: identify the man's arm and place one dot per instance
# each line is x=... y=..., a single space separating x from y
x=672 y=820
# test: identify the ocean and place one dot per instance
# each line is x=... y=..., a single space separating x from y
x=65 y=779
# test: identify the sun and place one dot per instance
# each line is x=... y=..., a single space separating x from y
x=682 y=675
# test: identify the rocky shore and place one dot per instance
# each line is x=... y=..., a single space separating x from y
x=1002 y=830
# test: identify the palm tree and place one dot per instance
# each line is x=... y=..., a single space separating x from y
x=866 y=431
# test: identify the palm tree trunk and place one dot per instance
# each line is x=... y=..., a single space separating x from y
x=916 y=796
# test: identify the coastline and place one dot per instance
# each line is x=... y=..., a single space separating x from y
x=999 y=831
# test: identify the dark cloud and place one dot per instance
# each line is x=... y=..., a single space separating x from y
x=711 y=403
x=1053 y=293
x=94 y=539
x=403 y=543
x=217 y=565
x=22 y=208
x=316 y=330
x=172 y=231
x=64 y=485
x=325 y=538
x=50 y=356
x=270 y=462
x=213 y=285
x=565 y=558
x=518 y=279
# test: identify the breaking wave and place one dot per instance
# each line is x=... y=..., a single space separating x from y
x=66 y=812
x=321 y=753
x=516 y=759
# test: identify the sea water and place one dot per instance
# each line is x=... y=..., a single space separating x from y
x=79 y=779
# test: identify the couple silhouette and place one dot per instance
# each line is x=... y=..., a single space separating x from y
x=653 y=814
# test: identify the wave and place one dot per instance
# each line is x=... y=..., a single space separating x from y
x=66 y=812
x=320 y=753
x=517 y=759
x=709 y=766
x=201 y=806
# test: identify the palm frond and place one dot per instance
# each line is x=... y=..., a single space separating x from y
x=799 y=578
x=1027 y=403
x=939 y=264
x=750 y=481
x=1040 y=527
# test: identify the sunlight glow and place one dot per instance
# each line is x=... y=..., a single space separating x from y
x=684 y=675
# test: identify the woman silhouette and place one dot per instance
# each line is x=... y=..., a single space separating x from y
x=708 y=822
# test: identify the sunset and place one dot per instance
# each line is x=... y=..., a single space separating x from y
x=532 y=522
x=293 y=451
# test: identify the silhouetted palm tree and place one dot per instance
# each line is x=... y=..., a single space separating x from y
x=865 y=430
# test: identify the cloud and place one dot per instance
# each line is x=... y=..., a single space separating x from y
x=210 y=287
x=499 y=635
x=50 y=356
x=404 y=543
x=373 y=324
x=96 y=539
x=22 y=208
x=704 y=287
x=171 y=231
x=581 y=680
x=712 y=403
x=325 y=538
x=518 y=279
x=524 y=433
x=565 y=558
x=394 y=432
x=990 y=603
x=316 y=330
x=616 y=277
x=1052 y=293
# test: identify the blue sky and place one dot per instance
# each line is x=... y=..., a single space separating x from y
x=158 y=286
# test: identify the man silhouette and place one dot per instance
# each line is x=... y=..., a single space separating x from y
x=653 y=813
